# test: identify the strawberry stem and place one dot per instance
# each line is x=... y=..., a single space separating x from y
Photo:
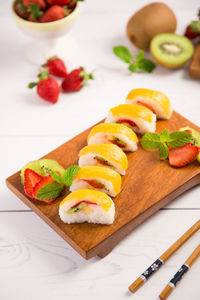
x=43 y=74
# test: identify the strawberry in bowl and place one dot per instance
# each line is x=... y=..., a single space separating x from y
x=48 y=23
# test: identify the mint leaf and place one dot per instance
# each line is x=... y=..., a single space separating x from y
x=49 y=191
x=56 y=177
x=179 y=139
x=132 y=67
x=123 y=53
x=146 y=65
x=69 y=174
x=164 y=136
x=151 y=140
x=140 y=55
x=163 y=151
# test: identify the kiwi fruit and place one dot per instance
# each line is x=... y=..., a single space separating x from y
x=171 y=50
x=43 y=167
x=149 y=21
x=196 y=137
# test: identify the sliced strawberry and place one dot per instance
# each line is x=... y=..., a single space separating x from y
x=146 y=105
x=31 y=179
x=102 y=161
x=182 y=156
x=94 y=183
x=84 y=201
x=117 y=143
x=188 y=131
x=44 y=181
x=130 y=122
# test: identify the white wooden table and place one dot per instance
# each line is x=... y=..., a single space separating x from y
x=35 y=263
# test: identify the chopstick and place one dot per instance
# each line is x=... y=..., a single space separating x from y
x=160 y=261
x=178 y=276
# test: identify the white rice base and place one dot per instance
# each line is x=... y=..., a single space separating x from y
x=78 y=184
x=89 y=160
x=156 y=106
x=98 y=214
x=103 y=137
x=143 y=125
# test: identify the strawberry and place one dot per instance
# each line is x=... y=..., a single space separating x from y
x=76 y=80
x=53 y=13
x=47 y=87
x=72 y=4
x=21 y=10
x=31 y=178
x=189 y=33
x=43 y=182
x=40 y=3
x=56 y=66
x=58 y=2
x=182 y=156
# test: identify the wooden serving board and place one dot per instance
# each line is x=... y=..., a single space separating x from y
x=148 y=185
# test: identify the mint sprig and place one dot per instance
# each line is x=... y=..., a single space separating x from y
x=69 y=175
x=49 y=191
x=54 y=189
x=139 y=63
x=165 y=140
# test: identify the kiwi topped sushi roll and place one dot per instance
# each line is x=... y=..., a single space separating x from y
x=87 y=206
x=117 y=134
x=139 y=118
x=107 y=155
x=98 y=178
x=156 y=101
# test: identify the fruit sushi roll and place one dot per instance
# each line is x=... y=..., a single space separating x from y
x=107 y=155
x=156 y=101
x=98 y=178
x=139 y=118
x=117 y=134
x=87 y=206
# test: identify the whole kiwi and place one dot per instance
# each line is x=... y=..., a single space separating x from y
x=147 y=22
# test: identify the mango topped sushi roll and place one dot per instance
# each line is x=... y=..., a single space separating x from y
x=98 y=178
x=117 y=134
x=139 y=118
x=156 y=101
x=87 y=206
x=107 y=155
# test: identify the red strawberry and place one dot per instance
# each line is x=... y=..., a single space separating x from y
x=72 y=4
x=76 y=80
x=31 y=178
x=21 y=10
x=56 y=66
x=41 y=3
x=182 y=156
x=47 y=87
x=58 y=2
x=189 y=33
x=44 y=181
x=53 y=13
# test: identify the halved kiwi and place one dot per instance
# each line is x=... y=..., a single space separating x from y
x=171 y=50
x=43 y=167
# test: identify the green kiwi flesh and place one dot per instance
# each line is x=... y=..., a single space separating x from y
x=43 y=167
x=171 y=50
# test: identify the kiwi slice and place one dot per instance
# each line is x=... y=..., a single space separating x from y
x=196 y=136
x=43 y=167
x=171 y=50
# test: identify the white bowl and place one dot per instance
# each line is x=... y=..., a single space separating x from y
x=51 y=37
